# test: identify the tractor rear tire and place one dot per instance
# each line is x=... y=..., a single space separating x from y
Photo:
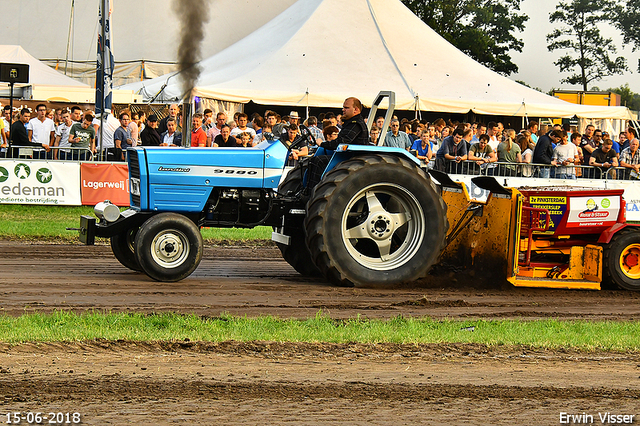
x=375 y=220
x=169 y=247
x=622 y=260
x=297 y=253
x=123 y=248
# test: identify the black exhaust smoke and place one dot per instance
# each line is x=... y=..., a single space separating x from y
x=192 y=14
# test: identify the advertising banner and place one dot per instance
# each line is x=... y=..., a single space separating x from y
x=631 y=189
x=104 y=181
x=39 y=182
x=593 y=211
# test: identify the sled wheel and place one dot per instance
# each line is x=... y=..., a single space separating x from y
x=168 y=247
x=622 y=260
x=123 y=248
x=375 y=220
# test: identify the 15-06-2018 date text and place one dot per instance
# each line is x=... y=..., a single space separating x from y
x=32 y=417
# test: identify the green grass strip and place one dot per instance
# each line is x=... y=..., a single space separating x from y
x=49 y=223
x=69 y=326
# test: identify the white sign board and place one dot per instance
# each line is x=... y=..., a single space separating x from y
x=39 y=182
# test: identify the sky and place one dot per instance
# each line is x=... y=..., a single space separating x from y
x=535 y=63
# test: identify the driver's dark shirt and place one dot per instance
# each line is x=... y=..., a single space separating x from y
x=354 y=131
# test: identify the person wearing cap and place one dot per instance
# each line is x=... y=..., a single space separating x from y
x=150 y=136
x=280 y=129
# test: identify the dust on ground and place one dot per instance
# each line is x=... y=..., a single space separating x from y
x=203 y=383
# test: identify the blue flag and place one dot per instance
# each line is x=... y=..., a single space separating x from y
x=104 y=71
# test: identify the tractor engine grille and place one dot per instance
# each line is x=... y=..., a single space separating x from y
x=134 y=173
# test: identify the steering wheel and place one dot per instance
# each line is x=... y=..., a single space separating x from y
x=305 y=135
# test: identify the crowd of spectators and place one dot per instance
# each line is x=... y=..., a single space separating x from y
x=557 y=151
x=472 y=148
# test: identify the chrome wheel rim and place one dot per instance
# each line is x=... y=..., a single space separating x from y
x=383 y=226
x=170 y=248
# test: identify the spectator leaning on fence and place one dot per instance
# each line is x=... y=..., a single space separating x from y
x=630 y=159
x=604 y=157
x=452 y=153
x=82 y=136
x=543 y=153
x=482 y=153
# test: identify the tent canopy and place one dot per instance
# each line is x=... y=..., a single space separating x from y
x=318 y=52
x=39 y=73
x=47 y=84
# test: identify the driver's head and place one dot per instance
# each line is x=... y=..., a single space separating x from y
x=350 y=108
x=292 y=131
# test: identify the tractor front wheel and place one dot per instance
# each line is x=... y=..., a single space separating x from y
x=169 y=247
x=123 y=248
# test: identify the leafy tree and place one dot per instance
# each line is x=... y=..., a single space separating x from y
x=530 y=87
x=626 y=17
x=483 y=29
x=628 y=98
x=588 y=57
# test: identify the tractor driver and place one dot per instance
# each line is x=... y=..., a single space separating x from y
x=354 y=131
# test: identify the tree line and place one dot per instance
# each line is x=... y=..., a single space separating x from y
x=486 y=30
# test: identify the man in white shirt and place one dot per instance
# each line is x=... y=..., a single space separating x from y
x=6 y=116
x=243 y=119
x=171 y=137
x=41 y=130
x=493 y=130
x=108 y=146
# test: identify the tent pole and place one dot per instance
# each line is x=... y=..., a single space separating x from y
x=307 y=96
x=9 y=149
x=66 y=58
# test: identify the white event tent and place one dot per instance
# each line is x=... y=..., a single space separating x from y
x=317 y=52
x=47 y=84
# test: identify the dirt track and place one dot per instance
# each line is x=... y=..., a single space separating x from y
x=273 y=383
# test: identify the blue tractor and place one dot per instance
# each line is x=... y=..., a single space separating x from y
x=375 y=218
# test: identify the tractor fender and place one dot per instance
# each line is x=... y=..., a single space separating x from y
x=606 y=236
x=346 y=152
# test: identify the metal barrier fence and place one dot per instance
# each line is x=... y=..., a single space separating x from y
x=61 y=153
x=502 y=169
